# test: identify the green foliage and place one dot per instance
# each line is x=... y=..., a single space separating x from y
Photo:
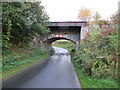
x=21 y=22
x=103 y=22
x=12 y=59
x=18 y=66
x=18 y=19
x=90 y=82
x=98 y=54
x=64 y=44
x=5 y=42
x=40 y=29
x=115 y=18
x=96 y=17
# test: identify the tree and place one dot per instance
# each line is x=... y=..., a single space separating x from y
x=84 y=14
x=18 y=20
x=98 y=53
x=115 y=18
x=96 y=17
x=103 y=22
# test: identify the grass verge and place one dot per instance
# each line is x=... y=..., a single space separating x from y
x=65 y=44
x=17 y=69
x=85 y=80
x=90 y=82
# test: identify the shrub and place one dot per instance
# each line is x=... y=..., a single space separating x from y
x=98 y=53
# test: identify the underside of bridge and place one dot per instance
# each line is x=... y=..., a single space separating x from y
x=51 y=40
x=63 y=30
x=48 y=42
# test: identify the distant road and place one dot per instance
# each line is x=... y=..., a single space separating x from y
x=58 y=73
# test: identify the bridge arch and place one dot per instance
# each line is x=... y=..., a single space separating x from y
x=48 y=42
x=61 y=30
x=54 y=39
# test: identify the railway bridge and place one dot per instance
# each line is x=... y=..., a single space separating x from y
x=62 y=30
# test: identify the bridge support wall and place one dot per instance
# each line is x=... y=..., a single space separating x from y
x=61 y=30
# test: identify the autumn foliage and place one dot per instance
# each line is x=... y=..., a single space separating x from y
x=107 y=30
x=84 y=14
x=99 y=51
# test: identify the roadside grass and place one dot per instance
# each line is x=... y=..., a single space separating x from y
x=17 y=59
x=64 y=44
x=33 y=61
x=85 y=80
x=90 y=82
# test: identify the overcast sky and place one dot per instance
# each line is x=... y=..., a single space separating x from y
x=67 y=10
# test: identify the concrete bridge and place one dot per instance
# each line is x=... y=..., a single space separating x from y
x=62 y=30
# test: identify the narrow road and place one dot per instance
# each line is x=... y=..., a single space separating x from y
x=58 y=73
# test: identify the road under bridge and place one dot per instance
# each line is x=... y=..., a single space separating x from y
x=61 y=30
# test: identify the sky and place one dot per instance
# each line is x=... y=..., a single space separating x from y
x=67 y=10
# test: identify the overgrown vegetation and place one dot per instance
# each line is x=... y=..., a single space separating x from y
x=98 y=53
x=21 y=58
x=21 y=23
x=92 y=82
x=98 y=59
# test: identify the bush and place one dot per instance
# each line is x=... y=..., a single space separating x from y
x=18 y=57
x=98 y=53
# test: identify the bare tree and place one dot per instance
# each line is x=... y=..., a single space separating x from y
x=96 y=17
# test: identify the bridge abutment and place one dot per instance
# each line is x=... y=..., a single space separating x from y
x=61 y=30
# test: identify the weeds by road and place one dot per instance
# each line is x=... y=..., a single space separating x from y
x=18 y=59
x=90 y=82
x=85 y=80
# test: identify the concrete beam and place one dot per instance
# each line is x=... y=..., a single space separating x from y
x=82 y=23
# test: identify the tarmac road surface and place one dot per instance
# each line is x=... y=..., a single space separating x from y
x=58 y=73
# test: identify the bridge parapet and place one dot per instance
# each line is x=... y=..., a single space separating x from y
x=62 y=30
x=78 y=23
